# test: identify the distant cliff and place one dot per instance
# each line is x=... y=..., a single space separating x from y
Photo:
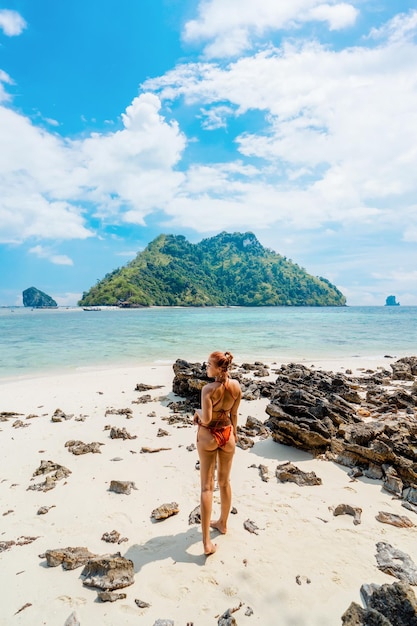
x=37 y=299
x=391 y=301
x=225 y=270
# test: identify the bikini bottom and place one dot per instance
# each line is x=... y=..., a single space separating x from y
x=221 y=434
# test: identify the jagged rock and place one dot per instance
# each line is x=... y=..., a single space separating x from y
x=59 y=415
x=79 y=447
x=396 y=563
x=347 y=509
x=69 y=558
x=60 y=472
x=45 y=509
x=250 y=527
x=122 y=486
x=143 y=399
x=392 y=482
x=244 y=442
x=144 y=387
x=6 y=415
x=386 y=605
x=263 y=472
x=162 y=433
x=110 y=596
x=120 y=433
x=189 y=379
x=287 y=472
x=409 y=506
x=112 y=537
x=253 y=428
x=401 y=521
x=195 y=516
x=108 y=572
x=6 y=545
x=127 y=412
x=165 y=510
x=405 y=368
x=37 y=299
x=141 y=604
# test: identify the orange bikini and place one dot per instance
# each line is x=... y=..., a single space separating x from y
x=221 y=427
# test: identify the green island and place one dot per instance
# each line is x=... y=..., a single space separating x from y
x=230 y=269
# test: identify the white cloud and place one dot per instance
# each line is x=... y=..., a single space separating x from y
x=67 y=299
x=337 y=16
x=230 y=26
x=11 y=22
x=47 y=182
x=340 y=143
x=402 y=27
x=47 y=253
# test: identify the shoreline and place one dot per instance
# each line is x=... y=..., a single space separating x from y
x=297 y=534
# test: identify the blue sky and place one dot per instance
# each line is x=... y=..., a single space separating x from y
x=296 y=120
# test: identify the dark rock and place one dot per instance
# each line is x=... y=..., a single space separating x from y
x=141 y=604
x=396 y=563
x=251 y=527
x=35 y=298
x=195 y=516
x=386 y=605
x=287 y=472
x=108 y=572
x=347 y=509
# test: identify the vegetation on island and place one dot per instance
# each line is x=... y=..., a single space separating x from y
x=225 y=270
x=37 y=299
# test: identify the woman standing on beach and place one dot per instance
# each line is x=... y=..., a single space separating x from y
x=216 y=441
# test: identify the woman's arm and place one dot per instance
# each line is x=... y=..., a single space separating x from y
x=234 y=410
x=204 y=415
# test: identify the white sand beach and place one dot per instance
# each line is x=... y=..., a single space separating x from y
x=298 y=535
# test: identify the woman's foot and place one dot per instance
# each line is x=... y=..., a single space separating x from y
x=219 y=526
x=210 y=548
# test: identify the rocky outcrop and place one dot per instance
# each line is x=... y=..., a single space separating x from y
x=37 y=299
x=386 y=605
x=325 y=412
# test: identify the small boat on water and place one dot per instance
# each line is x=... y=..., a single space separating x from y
x=91 y=308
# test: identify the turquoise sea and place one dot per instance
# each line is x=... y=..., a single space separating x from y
x=41 y=341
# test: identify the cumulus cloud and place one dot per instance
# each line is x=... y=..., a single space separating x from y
x=339 y=144
x=402 y=27
x=11 y=22
x=230 y=26
x=49 y=183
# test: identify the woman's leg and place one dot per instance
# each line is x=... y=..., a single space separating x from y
x=207 y=451
x=224 y=467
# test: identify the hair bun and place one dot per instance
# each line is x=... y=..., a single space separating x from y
x=228 y=357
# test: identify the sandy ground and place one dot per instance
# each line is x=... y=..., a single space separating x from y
x=298 y=535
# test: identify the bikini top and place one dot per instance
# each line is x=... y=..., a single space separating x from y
x=223 y=415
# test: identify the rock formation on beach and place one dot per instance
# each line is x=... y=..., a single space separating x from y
x=37 y=299
x=231 y=269
x=328 y=413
